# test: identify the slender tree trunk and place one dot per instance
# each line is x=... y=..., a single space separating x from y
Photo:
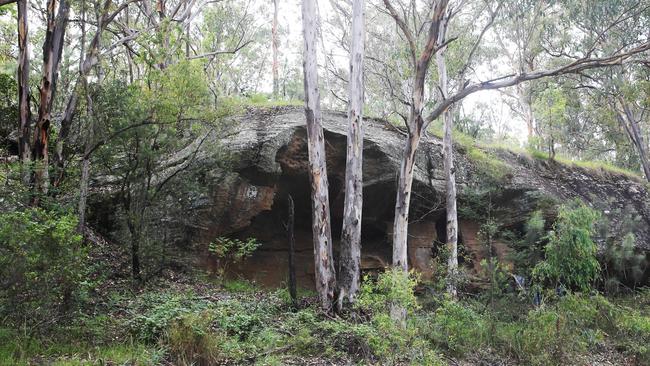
x=292 y=249
x=402 y=204
x=90 y=59
x=416 y=124
x=350 y=258
x=165 y=29
x=83 y=193
x=85 y=164
x=630 y=123
x=23 y=91
x=274 y=29
x=404 y=183
x=448 y=162
x=452 y=214
x=526 y=104
x=52 y=48
x=322 y=234
x=135 y=258
x=641 y=148
x=135 y=229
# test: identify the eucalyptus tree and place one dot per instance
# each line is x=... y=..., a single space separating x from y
x=632 y=108
x=23 y=90
x=434 y=22
x=274 y=45
x=448 y=151
x=625 y=89
x=88 y=58
x=56 y=23
x=519 y=35
x=350 y=258
x=321 y=225
x=233 y=45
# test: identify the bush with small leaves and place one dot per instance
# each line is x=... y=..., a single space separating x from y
x=570 y=255
x=394 y=287
x=43 y=265
x=229 y=251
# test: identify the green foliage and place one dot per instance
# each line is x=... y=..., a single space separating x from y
x=394 y=286
x=550 y=107
x=457 y=328
x=600 y=166
x=623 y=263
x=185 y=328
x=633 y=330
x=593 y=166
x=191 y=341
x=229 y=251
x=156 y=312
x=8 y=108
x=440 y=275
x=239 y=286
x=43 y=264
x=528 y=249
x=570 y=255
x=487 y=164
x=16 y=349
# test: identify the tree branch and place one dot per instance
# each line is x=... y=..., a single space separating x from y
x=503 y=82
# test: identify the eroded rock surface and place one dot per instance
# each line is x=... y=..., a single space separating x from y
x=269 y=157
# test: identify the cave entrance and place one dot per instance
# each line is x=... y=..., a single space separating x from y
x=268 y=266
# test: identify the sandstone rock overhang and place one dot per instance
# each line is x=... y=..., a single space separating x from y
x=269 y=156
x=271 y=143
x=268 y=161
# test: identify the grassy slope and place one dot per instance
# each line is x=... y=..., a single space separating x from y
x=191 y=320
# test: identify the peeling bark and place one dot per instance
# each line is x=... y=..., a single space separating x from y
x=448 y=162
x=416 y=125
x=52 y=49
x=321 y=229
x=23 y=92
x=349 y=261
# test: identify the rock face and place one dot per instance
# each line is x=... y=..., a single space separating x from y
x=269 y=158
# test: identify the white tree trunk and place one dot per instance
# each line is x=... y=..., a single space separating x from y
x=349 y=261
x=452 y=214
x=322 y=235
x=524 y=99
x=450 y=174
x=402 y=204
x=274 y=31
x=631 y=124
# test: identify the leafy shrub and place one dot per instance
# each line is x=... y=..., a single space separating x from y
x=8 y=108
x=156 y=312
x=457 y=328
x=634 y=334
x=43 y=264
x=191 y=341
x=441 y=276
x=393 y=287
x=229 y=251
x=570 y=255
x=623 y=264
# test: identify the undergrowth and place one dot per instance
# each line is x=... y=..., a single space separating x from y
x=184 y=327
